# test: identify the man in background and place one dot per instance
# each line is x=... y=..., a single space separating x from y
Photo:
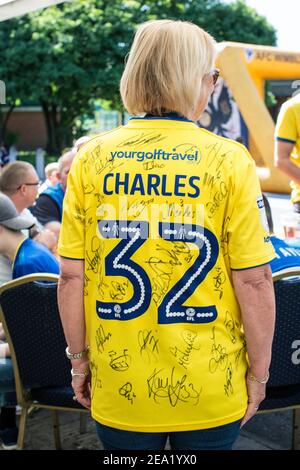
x=51 y=171
x=48 y=207
x=19 y=181
x=287 y=146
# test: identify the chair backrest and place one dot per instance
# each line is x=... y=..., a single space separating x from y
x=283 y=388
x=284 y=370
x=34 y=331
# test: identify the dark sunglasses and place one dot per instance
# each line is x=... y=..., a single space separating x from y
x=215 y=75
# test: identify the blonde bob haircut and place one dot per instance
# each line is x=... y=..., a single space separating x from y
x=165 y=68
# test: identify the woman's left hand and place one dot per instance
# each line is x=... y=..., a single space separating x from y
x=82 y=383
x=256 y=394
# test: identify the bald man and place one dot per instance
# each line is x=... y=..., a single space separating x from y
x=48 y=207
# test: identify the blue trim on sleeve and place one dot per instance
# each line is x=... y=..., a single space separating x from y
x=251 y=267
x=75 y=259
x=286 y=140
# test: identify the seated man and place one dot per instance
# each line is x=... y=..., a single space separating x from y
x=28 y=257
x=287 y=255
x=48 y=206
x=19 y=181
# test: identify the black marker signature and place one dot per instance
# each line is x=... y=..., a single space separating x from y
x=121 y=362
x=161 y=282
x=224 y=239
x=136 y=208
x=228 y=388
x=106 y=165
x=96 y=382
x=160 y=286
x=239 y=354
x=102 y=287
x=126 y=392
x=80 y=214
x=90 y=221
x=232 y=326
x=216 y=155
x=151 y=165
x=183 y=356
x=219 y=280
x=118 y=290
x=163 y=266
x=148 y=344
x=141 y=139
x=211 y=180
x=101 y=339
x=89 y=159
x=218 y=199
x=219 y=357
x=86 y=284
x=175 y=209
x=188 y=148
x=88 y=188
x=170 y=388
x=94 y=260
x=100 y=198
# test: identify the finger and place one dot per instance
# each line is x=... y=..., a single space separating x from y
x=250 y=412
x=83 y=395
x=83 y=400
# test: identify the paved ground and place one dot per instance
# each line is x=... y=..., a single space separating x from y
x=271 y=431
x=265 y=432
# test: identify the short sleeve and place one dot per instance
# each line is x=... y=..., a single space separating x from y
x=248 y=236
x=286 y=126
x=72 y=234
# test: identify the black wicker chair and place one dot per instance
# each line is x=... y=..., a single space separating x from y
x=32 y=325
x=283 y=389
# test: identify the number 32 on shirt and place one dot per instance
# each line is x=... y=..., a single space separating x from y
x=132 y=235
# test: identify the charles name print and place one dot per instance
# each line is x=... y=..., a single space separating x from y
x=162 y=212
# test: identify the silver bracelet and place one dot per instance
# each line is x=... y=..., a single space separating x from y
x=78 y=355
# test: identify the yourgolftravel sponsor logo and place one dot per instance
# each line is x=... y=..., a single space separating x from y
x=156 y=154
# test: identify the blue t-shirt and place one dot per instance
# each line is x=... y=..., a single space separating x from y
x=33 y=257
x=287 y=254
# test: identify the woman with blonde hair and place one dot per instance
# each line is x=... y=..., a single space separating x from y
x=166 y=293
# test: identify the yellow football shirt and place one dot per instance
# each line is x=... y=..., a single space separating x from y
x=161 y=211
x=288 y=130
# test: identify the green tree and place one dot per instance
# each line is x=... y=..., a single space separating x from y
x=234 y=21
x=63 y=58
x=66 y=56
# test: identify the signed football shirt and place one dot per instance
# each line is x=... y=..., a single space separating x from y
x=162 y=211
x=288 y=130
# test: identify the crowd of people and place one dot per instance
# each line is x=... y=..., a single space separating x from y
x=30 y=220
x=137 y=294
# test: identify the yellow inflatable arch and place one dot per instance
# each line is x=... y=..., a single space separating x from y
x=245 y=68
